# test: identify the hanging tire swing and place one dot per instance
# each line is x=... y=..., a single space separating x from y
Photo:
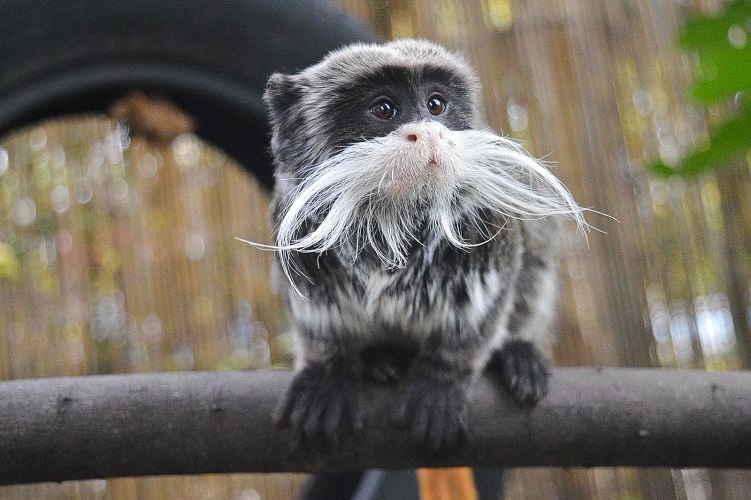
x=209 y=57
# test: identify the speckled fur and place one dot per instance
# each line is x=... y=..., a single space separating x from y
x=452 y=309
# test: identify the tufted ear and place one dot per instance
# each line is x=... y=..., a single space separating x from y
x=282 y=92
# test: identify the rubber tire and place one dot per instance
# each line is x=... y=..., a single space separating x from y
x=211 y=57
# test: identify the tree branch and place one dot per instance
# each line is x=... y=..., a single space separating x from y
x=196 y=422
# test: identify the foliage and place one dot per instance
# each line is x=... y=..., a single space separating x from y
x=9 y=265
x=723 y=71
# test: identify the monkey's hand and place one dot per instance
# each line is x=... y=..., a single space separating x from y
x=523 y=371
x=434 y=404
x=322 y=406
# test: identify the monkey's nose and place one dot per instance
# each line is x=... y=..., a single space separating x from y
x=424 y=131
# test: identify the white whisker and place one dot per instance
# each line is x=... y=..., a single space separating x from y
x=378 y=194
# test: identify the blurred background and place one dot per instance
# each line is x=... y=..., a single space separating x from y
x=117 y=252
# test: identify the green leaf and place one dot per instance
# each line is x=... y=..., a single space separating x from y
x=723 y=44
x=710 y=33
x=730 y=139
x=723 y=75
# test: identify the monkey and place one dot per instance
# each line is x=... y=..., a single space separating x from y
x=414 y=245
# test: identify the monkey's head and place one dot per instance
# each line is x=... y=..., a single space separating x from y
x=377 y=142
x=362 y=92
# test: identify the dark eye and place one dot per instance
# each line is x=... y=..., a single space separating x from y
x=383 y=109
x=436 y=104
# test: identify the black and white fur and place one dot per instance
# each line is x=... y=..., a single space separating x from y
x=417 y=247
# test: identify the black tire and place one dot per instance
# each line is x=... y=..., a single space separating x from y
x=211 y=57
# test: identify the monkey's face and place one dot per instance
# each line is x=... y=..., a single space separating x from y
x=375 y=143
x=366 y=92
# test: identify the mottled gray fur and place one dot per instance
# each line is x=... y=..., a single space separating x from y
x=447 y=308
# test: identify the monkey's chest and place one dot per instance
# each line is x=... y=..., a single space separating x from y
x=441 y=288
x=427 y=297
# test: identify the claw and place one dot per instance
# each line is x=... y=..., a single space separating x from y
x=320 y=408
x=435 y=410
x=523 y=371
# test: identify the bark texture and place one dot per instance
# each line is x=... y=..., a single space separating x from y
x=207 y=422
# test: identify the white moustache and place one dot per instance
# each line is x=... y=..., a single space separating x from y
x=369 y=192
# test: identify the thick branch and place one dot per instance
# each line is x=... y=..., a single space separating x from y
x=192 y=423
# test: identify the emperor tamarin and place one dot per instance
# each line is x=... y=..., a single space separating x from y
x=417 y=246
